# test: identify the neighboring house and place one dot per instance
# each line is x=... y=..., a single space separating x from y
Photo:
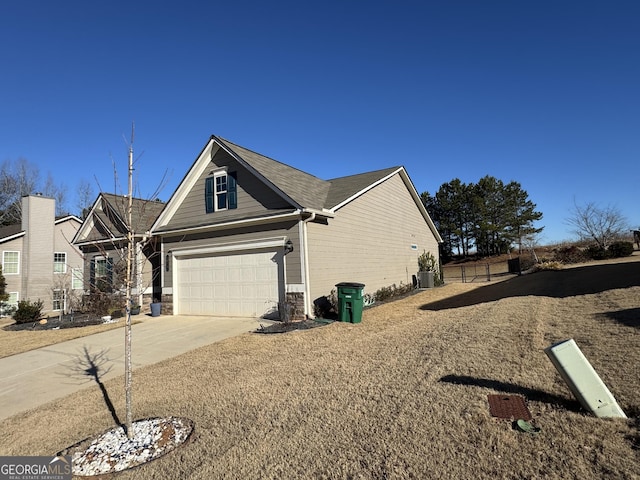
x=245 y=235
x=103 y=240
x=38 y=260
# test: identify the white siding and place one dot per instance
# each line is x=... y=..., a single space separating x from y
x=370 y=241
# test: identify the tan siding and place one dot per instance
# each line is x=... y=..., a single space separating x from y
x=14 y=282
x=38 y=215
x=64 y=233
x=248 y=234
x=369 y=241
x=147 y=275
x=254 y=197
x=293 y=273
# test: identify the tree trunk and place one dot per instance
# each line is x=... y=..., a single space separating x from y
x=127 y=344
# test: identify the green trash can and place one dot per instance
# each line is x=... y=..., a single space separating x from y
x=350 y=302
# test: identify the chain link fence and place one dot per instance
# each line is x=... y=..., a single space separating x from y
x=478 y=271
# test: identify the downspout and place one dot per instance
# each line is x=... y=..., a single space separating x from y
x=307 y=290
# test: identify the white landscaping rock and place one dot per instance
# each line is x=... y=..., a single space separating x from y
x=112 y=451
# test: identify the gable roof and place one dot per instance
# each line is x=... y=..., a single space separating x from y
x=302 y=190
x=343 y=188
x=110 y=212
x=67 y=218
x=11 y=232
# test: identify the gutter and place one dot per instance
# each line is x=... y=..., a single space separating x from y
x=229 y=224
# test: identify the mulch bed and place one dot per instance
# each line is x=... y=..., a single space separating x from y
x=67 y=321
x=283 y=327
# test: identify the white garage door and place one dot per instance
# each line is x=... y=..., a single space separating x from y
x=238 y=285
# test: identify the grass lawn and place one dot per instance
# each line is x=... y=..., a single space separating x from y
x=12 y=342
x=401 y=395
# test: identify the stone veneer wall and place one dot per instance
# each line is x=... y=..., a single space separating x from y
x=167 y=304
x=166 y=300
x=295 y=302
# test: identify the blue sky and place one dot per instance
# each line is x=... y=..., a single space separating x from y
x=544 y=93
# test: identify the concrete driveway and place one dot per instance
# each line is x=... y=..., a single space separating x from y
x=33 y=378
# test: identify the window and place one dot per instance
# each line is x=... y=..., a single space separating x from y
x=59 y=298
x=13 y=299
x=77 y=279
x=221 y=192
x=102 y=274
x=10 y=263
x=60 y=262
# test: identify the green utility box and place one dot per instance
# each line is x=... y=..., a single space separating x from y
x=350 y=302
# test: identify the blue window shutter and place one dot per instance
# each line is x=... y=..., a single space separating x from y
x=110 y=271
x=208 y=195
x=92 y=273
x=232 y=190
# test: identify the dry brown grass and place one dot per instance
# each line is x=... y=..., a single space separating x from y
x=13 y=342
x=401 y=395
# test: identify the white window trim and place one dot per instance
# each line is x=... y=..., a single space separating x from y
x=4 y=270
x=64 y=263
x=77 y=274
x=62 y=300
x=17 y=294
x=216 y=175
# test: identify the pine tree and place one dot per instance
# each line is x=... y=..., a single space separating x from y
x=4 y=296
x=489 y=215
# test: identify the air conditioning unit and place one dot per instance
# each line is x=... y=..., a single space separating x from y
x=582 y=379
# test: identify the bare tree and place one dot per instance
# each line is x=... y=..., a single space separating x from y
x=19 y=178
x=124 y=249
x=603 y=225
x=85 y=197
x=130 y=247
x=58 y=192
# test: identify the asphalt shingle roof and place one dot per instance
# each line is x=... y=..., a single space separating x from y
x=143 y=213
x=303 y=188
x=344 y=187
x=10 y=230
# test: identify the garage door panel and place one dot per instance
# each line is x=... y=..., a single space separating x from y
x=243 y=284
x=235 y=275
x=207 y=276
x=218 y=275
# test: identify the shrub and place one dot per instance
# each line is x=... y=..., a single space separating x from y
x=571 y=254
x=620 y=249
x=549 y=265
x=596 y=252
x=526 y=263
x=100 y=303
x=386 y=293
x=326 y=307
x=427 y=262
x=28 y=312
